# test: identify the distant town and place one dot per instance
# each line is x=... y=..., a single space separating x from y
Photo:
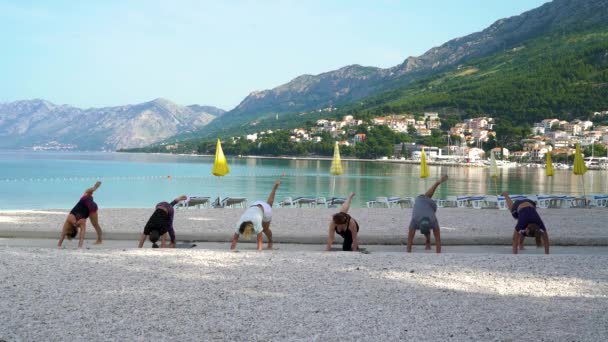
x=468 y=141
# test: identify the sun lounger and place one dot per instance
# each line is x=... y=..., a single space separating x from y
x=194 y=201
x=289 y=202
x=449 y=202
x=233 y=202
x=383 y=202
x=405 y=202
x=467 y=200
x=487 y=202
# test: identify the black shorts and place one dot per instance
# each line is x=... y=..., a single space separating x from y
x=158 y=222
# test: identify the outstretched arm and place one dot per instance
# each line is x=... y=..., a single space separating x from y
x=507 y=199
x=429 y=193
x=346 y=204
x=260 y=239
x=515 y=241
x=270 y=199
x=332 y=234
x=235 y=238
x=83 y=229
x=90 y=191
x=142 y=238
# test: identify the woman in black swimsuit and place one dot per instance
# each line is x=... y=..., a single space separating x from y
x=85 y=208
x=346 y=226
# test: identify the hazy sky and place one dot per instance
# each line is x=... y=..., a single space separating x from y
x=104 y=53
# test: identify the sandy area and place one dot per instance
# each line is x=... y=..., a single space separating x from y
x=309 y=225
x=290 y=295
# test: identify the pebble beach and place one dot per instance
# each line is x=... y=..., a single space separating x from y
x=299 y=292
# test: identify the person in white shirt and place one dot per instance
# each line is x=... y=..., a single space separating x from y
x=256 y=219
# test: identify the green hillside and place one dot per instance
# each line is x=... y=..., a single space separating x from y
x=564 y=76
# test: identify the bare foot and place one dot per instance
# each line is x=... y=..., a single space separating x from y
x=269 y=245
x=409 y=249
x=427 y=245
x=98 y=242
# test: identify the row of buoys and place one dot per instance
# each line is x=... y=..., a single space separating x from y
x=121 y=178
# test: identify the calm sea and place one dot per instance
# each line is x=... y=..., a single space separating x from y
x=31 y=180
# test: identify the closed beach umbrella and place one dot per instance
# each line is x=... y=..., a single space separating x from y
x=579 y=166
x=424 y=169
x=549 y=166
x=579 y=163
x=220 y=168
x=220 y=165
x=336 y=163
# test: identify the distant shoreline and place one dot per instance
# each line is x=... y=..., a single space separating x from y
x=407 y=161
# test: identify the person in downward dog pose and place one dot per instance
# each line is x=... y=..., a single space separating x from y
x=256 y=220
x=424 y=218
x=346 y=226
x=160 y=224
x=529 y=223
x=77 y=218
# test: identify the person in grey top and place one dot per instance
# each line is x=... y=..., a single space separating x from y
x=424 y=219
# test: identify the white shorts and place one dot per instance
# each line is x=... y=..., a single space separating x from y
x=266 y=208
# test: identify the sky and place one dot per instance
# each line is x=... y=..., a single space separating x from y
x=99 y=53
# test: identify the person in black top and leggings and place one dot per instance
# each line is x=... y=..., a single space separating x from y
x=160 y=224
x=85 y=208
x=346 y=226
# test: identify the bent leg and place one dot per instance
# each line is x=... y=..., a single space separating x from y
x=347 y=245
x=431 y=191
x=95 y=222
x=266 y=230
x=270 y=199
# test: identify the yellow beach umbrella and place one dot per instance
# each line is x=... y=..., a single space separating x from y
x=336 y=163
x=220 y=165
x=424 y=169
x=579 y=163
x=579 y=166
x=549 y=165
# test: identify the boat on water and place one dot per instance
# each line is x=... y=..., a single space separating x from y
x=596 y=163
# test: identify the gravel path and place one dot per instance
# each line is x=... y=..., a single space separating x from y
x=195 y=295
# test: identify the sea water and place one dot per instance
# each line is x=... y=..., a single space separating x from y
x=35 y=180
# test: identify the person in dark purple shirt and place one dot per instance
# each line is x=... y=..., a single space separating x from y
x=77 y=218
x=528 y=224
x=160 y=224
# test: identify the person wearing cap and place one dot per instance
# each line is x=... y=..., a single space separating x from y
x=77 y=218
x=344 y=225
x=424 y=218
x=256 y=220
x=160 y=224
x=529 y=223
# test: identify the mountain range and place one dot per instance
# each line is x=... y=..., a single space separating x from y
x=42 y=124
x=551 y=60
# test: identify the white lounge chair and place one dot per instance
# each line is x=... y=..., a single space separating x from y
x=448 y=202
x=382 y=202
x=233 y=202
x=194 y=201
